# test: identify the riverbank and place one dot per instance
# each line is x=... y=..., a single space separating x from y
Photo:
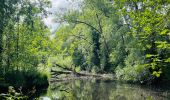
x=21 y=83
x=71 y=75
x=64 y=79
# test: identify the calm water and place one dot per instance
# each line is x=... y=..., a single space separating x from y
x=104 y=90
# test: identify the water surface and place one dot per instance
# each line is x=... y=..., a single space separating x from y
x=104 y=90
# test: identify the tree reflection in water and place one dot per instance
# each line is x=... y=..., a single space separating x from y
x=103 y=90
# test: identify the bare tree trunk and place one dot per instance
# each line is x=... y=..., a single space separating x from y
x=8 y=51
x=17 y=47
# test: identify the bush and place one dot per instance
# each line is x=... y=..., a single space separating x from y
x=60 y=60
x=127 y=73
x=26 y=79
x=136 y=73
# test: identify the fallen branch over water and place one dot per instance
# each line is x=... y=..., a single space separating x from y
x=69 y=73
x=61 y=72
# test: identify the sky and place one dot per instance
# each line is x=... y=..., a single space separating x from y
x=59 y=6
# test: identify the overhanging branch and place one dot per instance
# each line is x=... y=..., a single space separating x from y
x=82 y=22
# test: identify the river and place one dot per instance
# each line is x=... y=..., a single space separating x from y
x=92 y=89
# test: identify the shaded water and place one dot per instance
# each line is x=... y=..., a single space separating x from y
x=104 y=90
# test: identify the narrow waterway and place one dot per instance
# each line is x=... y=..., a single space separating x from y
x=104 y=90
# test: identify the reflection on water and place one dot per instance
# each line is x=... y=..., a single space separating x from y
x=103 y=90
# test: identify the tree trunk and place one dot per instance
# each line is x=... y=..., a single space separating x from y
x=17 y=47
x=2 y=14
x=1 y=47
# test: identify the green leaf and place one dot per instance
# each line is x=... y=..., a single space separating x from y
x=164 y=32
x=167 y=60
x=157 y=74
x=149 y=55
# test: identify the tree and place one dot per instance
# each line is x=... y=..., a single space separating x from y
x=6 y=11
x=20 y=21
x=94 y=26
x=146 y=20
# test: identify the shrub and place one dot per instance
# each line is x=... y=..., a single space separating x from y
x=26 y=79
x=136 y=73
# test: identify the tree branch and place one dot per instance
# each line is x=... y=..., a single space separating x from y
x=101 y=31
x=81 y=38
x=78 y=21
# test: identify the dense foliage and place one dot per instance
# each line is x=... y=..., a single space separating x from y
x=149 y=23
x=23 y=40
x=128 y=38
